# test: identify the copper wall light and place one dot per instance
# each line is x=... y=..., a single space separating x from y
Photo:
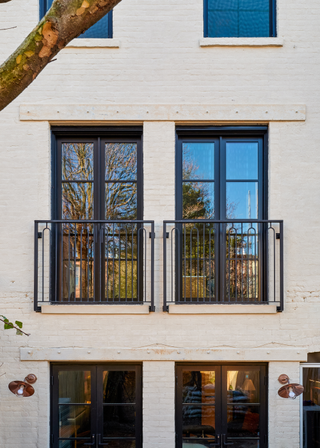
x=289 y=390
x=22 y=388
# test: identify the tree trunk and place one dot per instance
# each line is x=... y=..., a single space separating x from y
x=65 y=20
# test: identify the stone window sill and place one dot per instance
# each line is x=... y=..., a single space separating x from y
x=222 y=309
x=95 y=309
x=241 y=42
x=94 y=43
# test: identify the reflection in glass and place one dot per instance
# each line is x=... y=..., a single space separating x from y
x=243 y=421
x=77 y=161
x=198 y=421
x=121 y=200
x=119 y=386
x=119 y=421
x=74 y=386
x=198 y=200
x=77 y=200
x=121 y=161
x=242 y=160
x=242 y=200
x=198 y=161
x=245 y=443
x=73 y=443
x=311 y=407
x=120 y=444
x=197 y=443
x=74 y=421
x=77 y=268
x=243 y=386
x=198 y=387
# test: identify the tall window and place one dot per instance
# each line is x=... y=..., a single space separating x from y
x=220 y=194
x=98 y=177
x=239 y=18
x=96 y=405
x=101 y=29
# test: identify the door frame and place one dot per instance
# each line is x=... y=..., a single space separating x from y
x=264 y=408
x=96 y=404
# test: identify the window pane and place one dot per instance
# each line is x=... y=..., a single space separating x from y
x=120 y=444
x=198 y=421
x=242 y=200
x=74 y=443
x=121 y=200
x=311 y=407
x=74 y=421
x=77 y=200
x=119 y=387
x=243 y=386
x=197 y=444
x=198 y=161
x=119 y=421
x=121 y=161
x=198 y=200
x=74 y=386
x=238 y=18
x=243 y=421
x=242 y=161
x=77 y=161
x=198 y=387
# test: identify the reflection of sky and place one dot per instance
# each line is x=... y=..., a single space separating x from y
x=242 y=160
x=198 y=160
x=242 y=200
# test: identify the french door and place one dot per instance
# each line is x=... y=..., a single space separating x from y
x=221 y=405
x=97 y=406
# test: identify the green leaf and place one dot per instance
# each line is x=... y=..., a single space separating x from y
x=6 y=320
x=19 y=333
x=8 y=326
x=19 y=324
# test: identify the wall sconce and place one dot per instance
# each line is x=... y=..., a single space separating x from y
x=289 y=390
x=23 y=388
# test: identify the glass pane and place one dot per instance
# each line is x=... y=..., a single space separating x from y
x=74 y=386
x=242 y=200
x=119 y=387
x=243 y=386
x=121 y=201
x=198 y=421
x=77 y=200
x=238 y=18
x=119 y=421
x=198 y=161
x=121 y=161
x=198 y=387
x=242 y=161
x=73 y=443
x=197 y=444
x=242 y=263
x=74 y=421
x=245 y=443
x=311 y=407
x=198 y=200
x=77 y=161
x=120 y=444
x=243 y=421
x=78 y=263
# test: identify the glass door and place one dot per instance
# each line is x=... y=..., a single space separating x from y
x=96 y=405
x=221 y=405
x=311 y=406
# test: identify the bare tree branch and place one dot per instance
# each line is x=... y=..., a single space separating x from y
x=5 y=29
x=65 y=20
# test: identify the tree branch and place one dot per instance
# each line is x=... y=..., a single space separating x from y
x=8 y=325
x=65 y=20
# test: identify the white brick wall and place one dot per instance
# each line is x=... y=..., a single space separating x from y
x=160 y=62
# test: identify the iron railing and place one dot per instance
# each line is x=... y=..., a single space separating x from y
x=94 y=262
x=223 y=262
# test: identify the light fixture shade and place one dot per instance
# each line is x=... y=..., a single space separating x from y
x=28 y=390
x=285 y=390
x=248 y=385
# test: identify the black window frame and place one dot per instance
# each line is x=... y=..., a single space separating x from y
x=96 y=401
x=205 y=133
x=43 y=10
x=221 y=396
x=272 y=21
x=76 y=134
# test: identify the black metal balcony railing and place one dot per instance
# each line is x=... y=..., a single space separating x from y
x=223 y=262
x=94 y=262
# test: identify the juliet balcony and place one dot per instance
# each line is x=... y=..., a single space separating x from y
x=234 y=262
x=94 y=263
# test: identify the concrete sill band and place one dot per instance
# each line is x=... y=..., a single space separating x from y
x=94 y=43
x=241 y=42
x=222 y=309
x=95 y=309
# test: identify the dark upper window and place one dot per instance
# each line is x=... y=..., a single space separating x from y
x=101 y=29
x=239 y=18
